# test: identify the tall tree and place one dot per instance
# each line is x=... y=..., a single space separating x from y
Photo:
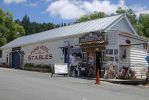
x=144 y=20
x=34 y=27
x=26 y=24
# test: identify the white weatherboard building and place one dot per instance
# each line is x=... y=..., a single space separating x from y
x=110 y=39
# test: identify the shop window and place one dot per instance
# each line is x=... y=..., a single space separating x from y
x=115 y=51
x=116 y=59
x=84 y=57
x=111 y=58
x=0 y=53
x=111 y=52
x=123 y=53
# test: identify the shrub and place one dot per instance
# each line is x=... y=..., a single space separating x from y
x=38 y=67
x=5 y=65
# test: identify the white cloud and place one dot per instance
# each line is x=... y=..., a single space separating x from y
x=13 y=1
x=31 y=4
x=72 y=9
x=65 y=9
x=97 y=5
x=25 y=2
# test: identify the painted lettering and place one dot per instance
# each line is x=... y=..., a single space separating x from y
x=40 y=53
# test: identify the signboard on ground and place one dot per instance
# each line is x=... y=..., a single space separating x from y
x=61 y=68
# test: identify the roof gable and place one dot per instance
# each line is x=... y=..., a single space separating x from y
x=122 y=25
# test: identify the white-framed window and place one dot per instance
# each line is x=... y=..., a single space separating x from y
x=84 y=56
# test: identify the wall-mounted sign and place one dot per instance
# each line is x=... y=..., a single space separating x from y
x=128 y=41
x=16 y=48
x=93 y=37
x=40 y=53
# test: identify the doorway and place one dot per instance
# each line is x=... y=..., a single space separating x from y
x=66 y=55
x=99 y=61
x=16 y=60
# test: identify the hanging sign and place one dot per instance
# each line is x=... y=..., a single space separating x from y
x=40 y=53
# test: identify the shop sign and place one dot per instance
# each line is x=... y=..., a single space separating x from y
x=16 y=48
x=40 y=53
x=60 y=69
x=93 y=37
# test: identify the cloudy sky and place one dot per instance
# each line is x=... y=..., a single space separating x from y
x=59 y=11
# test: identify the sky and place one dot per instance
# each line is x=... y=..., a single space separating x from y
x=58 y=11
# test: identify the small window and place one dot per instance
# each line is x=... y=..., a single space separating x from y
x=116 y=59
x=84 y=57
x=107 y=51
x=111 y=51
x=0 y=53
x=115 y=51
x=7 y=58
x=111 y=58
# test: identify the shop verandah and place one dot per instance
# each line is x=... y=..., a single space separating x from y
x=92 y=47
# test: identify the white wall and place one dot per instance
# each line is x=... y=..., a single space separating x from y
x=122 y=41
x=54 y=49
x=5 y=52
x=112 y=37
x=135 y=53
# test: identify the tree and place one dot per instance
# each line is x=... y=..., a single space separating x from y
x=139 y=28
x=120 y=10
x=26 y=24
x=92 y=16
x=3 y=40
x=34 y=27
x=144 y=20
x=8 y=28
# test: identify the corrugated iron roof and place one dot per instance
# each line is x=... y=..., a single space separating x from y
x=84 y=27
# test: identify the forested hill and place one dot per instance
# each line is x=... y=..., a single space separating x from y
x=10 y=29
x=34 y=27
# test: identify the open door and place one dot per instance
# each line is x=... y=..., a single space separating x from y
x=99 y=61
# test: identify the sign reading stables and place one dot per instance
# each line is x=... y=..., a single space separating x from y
x=40 y=53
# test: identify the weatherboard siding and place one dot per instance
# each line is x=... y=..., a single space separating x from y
x=136 y=53
x=138 y=56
